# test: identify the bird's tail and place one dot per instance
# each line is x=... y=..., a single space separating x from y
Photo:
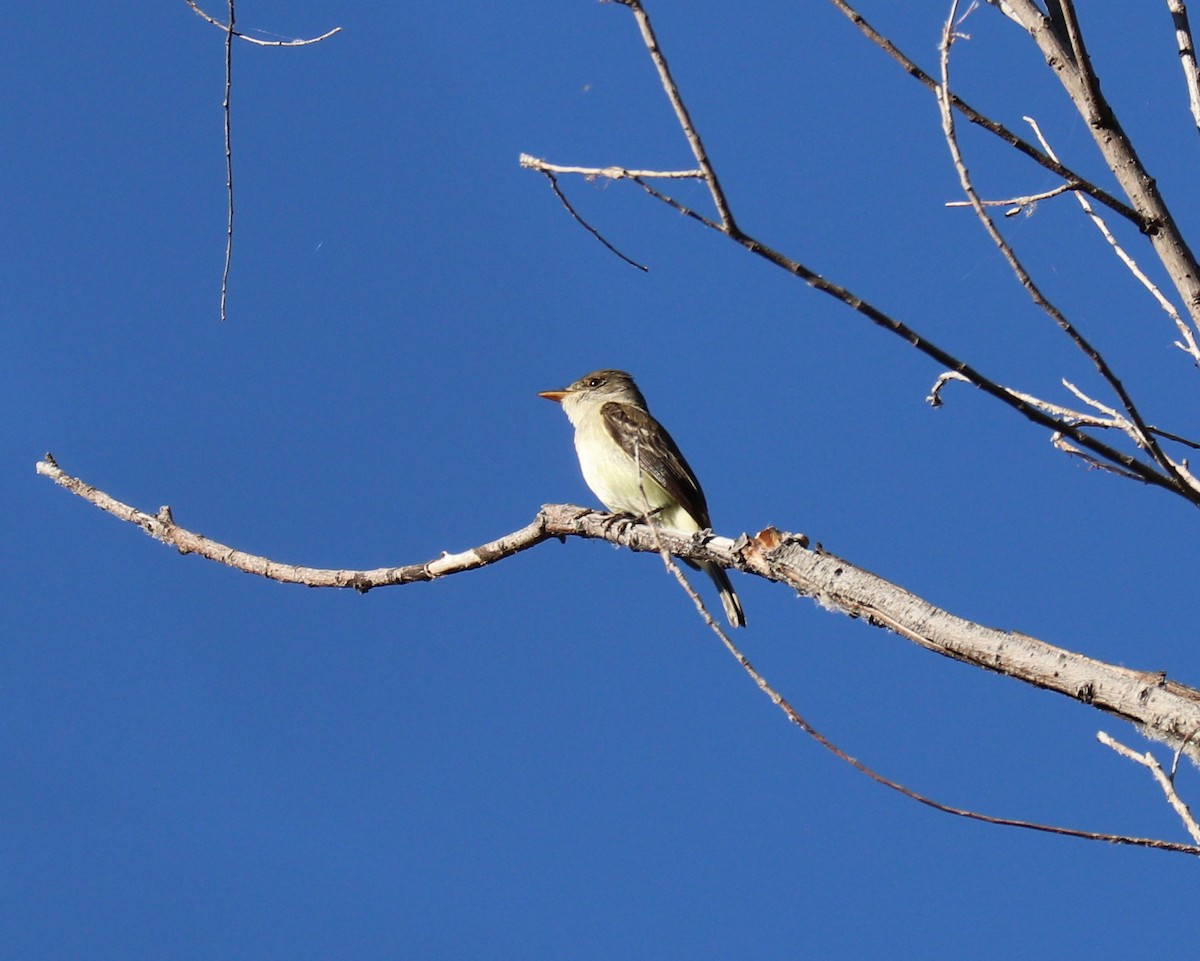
x=729 y=599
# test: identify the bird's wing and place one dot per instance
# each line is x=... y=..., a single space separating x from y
x=644 y=438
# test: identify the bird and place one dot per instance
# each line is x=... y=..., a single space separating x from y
x=615 y=434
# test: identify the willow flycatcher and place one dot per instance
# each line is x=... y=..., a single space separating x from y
x=614 y=436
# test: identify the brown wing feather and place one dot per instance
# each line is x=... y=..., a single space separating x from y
x=660 y=457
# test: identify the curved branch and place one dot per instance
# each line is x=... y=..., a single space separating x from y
x=228 y=28
x=162 y=527
x=1164 y=709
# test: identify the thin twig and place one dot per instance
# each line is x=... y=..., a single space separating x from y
x=262 y=43
x=681 y=208
x=586 y=226
x=1189 y=345
x=1017 y=202
x=1165 y=782
x=1179 y=752
x=229 y=33
x=609 y=173
x=1060 y=443
x=1066 y=414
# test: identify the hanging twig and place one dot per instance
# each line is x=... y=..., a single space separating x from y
x=588 y=227
x=228 y=162
x=230 y=33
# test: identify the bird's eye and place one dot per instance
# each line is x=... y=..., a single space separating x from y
x=595 y=381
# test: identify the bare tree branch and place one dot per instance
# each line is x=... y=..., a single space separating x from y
x=1141 y=436
x=230 y=33
x=1016 y=202
x=1165 y=710
x=1069 y=60
x=1125 y=464
x=1066 y=415
x=609 y=173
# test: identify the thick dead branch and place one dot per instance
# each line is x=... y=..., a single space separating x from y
x=1187 y=55
x=1062 y=44
x=1163 y=709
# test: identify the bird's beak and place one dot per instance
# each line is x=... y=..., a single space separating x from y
x=554 y=395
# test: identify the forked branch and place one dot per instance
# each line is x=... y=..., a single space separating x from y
x=1141 y=436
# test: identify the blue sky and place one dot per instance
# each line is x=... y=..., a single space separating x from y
x=553 y=758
